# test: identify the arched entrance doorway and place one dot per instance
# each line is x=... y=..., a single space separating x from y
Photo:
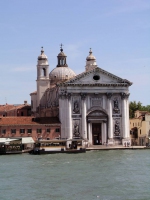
x=97 y=126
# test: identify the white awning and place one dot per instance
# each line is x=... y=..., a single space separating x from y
x=27 y=140
x=6 y=140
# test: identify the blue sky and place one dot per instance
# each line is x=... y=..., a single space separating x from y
x=118 y=31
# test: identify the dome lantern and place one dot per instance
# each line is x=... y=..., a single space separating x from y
x=61 y=58
x=62 y=72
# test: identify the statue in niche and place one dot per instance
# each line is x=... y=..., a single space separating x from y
x=117 y=129
x=76 y=130
x=116 y=107
x=76 y=109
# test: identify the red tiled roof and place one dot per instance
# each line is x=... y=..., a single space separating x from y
x=20 y=107
x=28 y=120
x=6 y=107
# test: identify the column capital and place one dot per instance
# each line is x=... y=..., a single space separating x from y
x=62 y=94
x=124 y=95
x=83 y=96
x=109 y=95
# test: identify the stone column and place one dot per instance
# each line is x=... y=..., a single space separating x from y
x=84 y=124
x=89 y=133
x=125 y=119
x=64 y=116
x=127 y=115
x=60 y=114
x=69 y=118
x=124 y=115
x=104 y=133
x=110 y=121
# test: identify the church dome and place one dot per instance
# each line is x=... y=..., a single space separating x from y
x=90 y=56
x=62 y=72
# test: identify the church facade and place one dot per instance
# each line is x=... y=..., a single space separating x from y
x=93 y=105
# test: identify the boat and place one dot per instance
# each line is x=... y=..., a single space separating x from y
x=10 y=146
x=15 y=145
x=58 y=146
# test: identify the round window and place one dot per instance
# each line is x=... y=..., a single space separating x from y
x=96 y=77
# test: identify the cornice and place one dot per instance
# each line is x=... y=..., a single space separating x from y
x=95 y=84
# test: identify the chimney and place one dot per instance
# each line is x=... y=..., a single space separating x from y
x=25 y=102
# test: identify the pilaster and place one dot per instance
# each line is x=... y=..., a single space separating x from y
x=84 y=125
x=110 y=122
x=69 y=118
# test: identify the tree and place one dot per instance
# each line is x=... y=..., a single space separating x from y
x=133 y=106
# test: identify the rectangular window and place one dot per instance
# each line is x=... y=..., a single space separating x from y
x=22 y=131
x=133 y=124
x=138 y=124
x=3 y=131
x=29 y=131
x=140 y=131
x=48 y=130
x=13 y=131
x=39 y=130
x=57 y=130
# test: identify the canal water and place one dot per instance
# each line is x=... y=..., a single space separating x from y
x=95 y=175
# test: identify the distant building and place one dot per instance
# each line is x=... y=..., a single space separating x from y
x=140 y=128
x=37 y=128
x=4 y=109
x=92 y=105
x=15 y=110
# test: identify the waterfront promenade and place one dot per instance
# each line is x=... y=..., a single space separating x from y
x=116 y=147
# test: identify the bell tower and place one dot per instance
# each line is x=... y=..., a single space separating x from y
x=43 y=81
x=90 y=62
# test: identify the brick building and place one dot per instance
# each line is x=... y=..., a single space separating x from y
x=15 y=110
x=37 y=128
x=5 y=108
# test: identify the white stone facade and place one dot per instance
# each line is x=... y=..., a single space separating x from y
x=92 y=105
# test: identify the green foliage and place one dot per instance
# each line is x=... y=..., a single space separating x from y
x=133 y=106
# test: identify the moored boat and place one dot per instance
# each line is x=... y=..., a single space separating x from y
x=58 y=146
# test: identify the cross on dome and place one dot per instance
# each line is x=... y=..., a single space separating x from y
x=42 y=50
x=61 y=49
x=90 y=52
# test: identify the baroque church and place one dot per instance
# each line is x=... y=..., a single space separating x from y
x=92 y=105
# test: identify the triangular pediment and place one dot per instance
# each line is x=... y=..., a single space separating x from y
x=96 y=76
